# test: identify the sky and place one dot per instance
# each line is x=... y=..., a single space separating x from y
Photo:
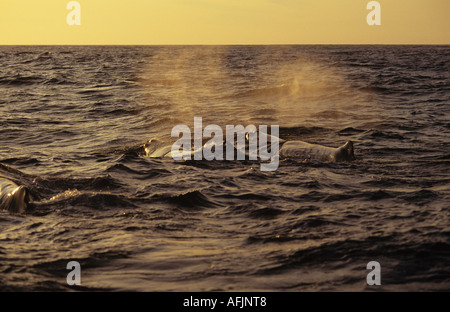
x=161 y=22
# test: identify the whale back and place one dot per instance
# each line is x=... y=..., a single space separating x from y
x=156 y=148
x=150 y=146
x=307 y=151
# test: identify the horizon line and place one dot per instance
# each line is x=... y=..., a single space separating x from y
x=232 y=44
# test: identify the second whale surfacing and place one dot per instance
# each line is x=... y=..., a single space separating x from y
x=13 y=198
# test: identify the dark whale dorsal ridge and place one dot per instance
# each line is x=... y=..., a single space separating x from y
x=345 y=152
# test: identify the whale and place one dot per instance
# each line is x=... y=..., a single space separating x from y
x=155 y=148
x=13 y=198
x=289 y=150
x=307 y=151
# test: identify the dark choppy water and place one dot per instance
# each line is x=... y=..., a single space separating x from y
x=73 y=119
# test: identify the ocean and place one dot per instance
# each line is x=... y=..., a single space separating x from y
x=74 y=120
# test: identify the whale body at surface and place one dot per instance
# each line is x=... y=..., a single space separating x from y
x=156 y=148
x=308 y=151
x=289 y=149
x=13 y=198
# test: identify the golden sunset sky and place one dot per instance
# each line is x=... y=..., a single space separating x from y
x=224 y=22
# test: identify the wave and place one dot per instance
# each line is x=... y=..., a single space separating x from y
x=19 y=80
x=378 y=134
x=192 y=200
x=266 y=213
x=416 y=258
x=143 y=174
x=99 y=201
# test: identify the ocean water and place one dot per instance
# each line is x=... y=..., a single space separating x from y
x=74 y=119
